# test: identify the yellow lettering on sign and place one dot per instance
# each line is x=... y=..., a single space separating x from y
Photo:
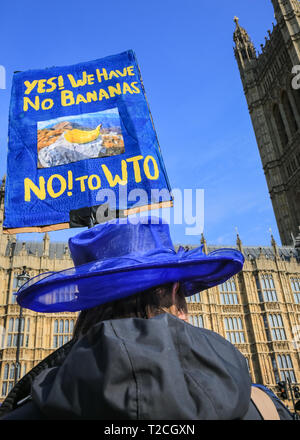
x=130 y=70
x=126 y=88
x=97 y=185
x=63 y=186
x=47 y=104
x=90 y=79
x=91 y=96
x=30 y=86
x=136 y=167
x=27 y=102
x=79 y=82
x=112 y=73
x=101 y=74
x=115 y=90
x=80 y=98
x=123 y=73
x=146 y=168
x=135 y=88
x=113 y=181
x=67 y=98
x=82 y=184
x=51 y=83
x=103 y=94
x=41 y=86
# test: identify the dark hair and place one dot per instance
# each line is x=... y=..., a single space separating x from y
x=144 y=304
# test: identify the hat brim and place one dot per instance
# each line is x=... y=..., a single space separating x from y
x=99 y=282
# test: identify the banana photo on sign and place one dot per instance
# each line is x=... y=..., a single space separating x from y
x=69 y=139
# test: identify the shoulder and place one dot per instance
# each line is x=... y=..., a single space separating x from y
x=215 y=341
x=186 y=340
x=164 y=325
x=282 y=410
x=22 y=390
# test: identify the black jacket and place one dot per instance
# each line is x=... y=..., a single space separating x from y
x=147 y=369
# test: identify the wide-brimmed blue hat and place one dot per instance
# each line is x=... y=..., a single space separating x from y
x=118 y=259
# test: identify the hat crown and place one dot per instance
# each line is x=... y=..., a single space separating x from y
x=119 y=238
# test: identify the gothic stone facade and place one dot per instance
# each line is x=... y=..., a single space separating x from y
x=258 y=310
x=274 y=107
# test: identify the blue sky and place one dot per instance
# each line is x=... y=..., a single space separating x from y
x=185 y=53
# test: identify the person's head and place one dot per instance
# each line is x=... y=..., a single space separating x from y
x=167 y=298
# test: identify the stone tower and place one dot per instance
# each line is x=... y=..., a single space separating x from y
x=274 y=107
x=5 y=239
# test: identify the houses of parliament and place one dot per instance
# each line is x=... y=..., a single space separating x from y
x=258 y=310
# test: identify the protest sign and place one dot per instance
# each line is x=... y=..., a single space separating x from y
x=77 y=135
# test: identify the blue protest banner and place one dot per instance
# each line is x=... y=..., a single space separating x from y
x=78 y=134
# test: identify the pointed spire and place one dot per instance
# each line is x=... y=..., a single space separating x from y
x=240 y=34
x=203 y=241
x=3 y=181
x=2 y=191
x=274 y=245
x=236 y=20
x=66 y=253
x=23 y=251
x=244 y=49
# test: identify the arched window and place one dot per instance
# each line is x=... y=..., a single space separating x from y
x=268 y=288
x=17 y=325
x=277 y=328
x=9 y=378
x=295 y=283
x=11 y=325
x=194 y=298
x=280 y=126
x=286 y=367
x=6 y=370
x=12 y=372
x=228 y=292
x=248 y=365
x=4 y=388
x=196 y=320
x=13 y=331
x=14 y=289
x=289 y=112
x=62 y=332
